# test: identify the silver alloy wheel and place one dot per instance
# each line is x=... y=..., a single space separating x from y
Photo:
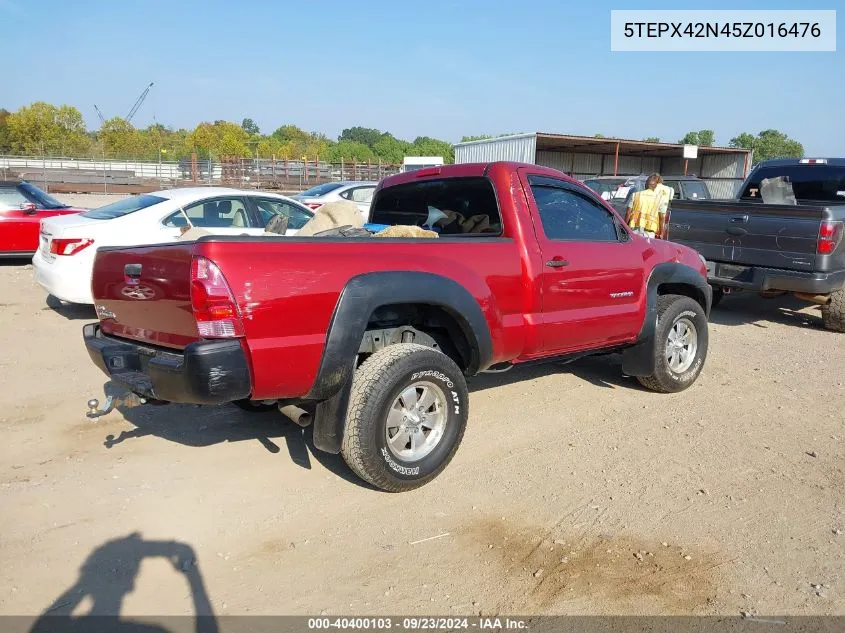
x=681 y=345
x=416 y=421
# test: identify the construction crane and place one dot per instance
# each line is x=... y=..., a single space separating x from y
x=138 y=103
x=100 y=114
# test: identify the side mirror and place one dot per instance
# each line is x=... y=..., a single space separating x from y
x=28 y=207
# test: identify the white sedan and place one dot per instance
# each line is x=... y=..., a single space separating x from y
x=67 y=245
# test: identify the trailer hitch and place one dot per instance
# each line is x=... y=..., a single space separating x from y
x=129 y=400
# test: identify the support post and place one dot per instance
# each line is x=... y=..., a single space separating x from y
x=616 y=160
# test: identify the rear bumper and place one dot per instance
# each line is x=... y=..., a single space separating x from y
x=758 y=278
x=65 y=279
x=205 y=372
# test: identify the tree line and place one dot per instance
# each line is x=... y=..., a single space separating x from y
x=43 y=129
x=766 y=144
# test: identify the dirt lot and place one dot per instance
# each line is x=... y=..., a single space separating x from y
x=574 y=490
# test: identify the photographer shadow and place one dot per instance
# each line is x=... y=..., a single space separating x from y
x=108 y=575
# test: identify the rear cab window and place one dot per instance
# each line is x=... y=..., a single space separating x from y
x=822 y=183
x=453 y=207
x=123 y=207
x=693 y=190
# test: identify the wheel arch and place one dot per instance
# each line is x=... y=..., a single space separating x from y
x=665 y=278
x=360 y=298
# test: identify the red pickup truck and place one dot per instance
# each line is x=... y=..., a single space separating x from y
x=381 y=333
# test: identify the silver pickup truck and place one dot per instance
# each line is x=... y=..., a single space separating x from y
x=782 y=234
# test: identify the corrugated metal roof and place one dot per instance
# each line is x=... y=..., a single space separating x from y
x=631 y=147
x=520 y=148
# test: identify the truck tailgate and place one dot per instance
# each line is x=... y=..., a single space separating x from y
x=747 y=233
x=144 y=294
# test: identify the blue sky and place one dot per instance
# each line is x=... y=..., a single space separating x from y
x=441 y=68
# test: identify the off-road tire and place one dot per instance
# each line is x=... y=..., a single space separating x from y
x=376 y=385
x=670 y=309
x=833 y=312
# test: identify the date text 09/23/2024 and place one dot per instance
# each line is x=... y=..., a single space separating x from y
x=418 y=623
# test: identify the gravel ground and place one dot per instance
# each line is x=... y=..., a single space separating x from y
x=574 y=491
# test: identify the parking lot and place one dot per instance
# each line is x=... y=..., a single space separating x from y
x=574 y=491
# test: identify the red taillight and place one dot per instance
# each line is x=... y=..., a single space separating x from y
x=830 y=234
x=313 y=205
x=212 y=302
x=67 y=246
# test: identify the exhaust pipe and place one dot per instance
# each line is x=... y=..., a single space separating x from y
x=296 y=415
x=818 y=299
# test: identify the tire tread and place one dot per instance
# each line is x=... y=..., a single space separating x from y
x=833 y=312
x=653 y=383
x=370 y=378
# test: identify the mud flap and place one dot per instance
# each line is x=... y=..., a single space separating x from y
x=330 y=419
x=639 y=359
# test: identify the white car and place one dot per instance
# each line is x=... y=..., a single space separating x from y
x=358 y=191
x=67 y=244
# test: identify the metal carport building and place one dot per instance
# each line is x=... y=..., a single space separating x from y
x=723 y=168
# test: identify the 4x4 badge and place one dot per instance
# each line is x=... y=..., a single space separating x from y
x=104 y=313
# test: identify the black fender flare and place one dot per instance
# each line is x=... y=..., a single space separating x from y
x=638 y=360
x=359 y=298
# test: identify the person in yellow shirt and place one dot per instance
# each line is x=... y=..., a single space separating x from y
x=647 y=209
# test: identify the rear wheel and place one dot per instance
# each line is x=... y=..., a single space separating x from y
x=833 y=312
x=407 y=414
x=680 y=344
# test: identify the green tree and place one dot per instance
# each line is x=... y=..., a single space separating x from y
x=5 y=135
x=218 y=139
x=391 y=150
x=250 y=127
x=348 y=151
x=290 y=133
x=599 y=136
x=769 y=144
x=704 y=138
x=427 y=146
x=44 y=128
x=651 y=139
x=120 y=140
x=480 y=137
x=366 y=135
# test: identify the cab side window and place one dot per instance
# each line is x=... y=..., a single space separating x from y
x=567 y=215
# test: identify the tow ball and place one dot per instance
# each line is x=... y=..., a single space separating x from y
x=128 y=401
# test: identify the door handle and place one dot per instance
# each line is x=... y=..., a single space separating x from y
x=558 y=262
x=740 y=218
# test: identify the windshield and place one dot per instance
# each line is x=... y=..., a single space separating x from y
x=43 y=200
x=320 y=190
x=694 y=190
x=604 y=186
x=824 y=183
x=123 y=207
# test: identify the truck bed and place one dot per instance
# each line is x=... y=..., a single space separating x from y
x=750 y=233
